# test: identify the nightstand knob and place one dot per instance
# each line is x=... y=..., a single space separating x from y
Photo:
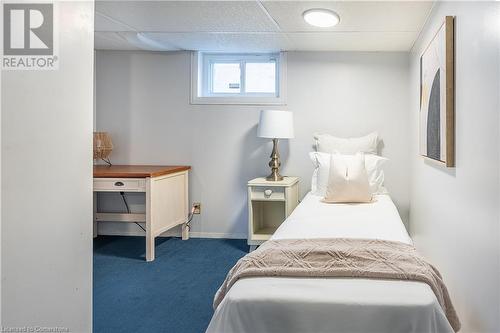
x=268 y=193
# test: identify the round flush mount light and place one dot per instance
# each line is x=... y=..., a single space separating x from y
x=323 y=18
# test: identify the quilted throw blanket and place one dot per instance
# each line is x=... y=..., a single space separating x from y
x=340 y=257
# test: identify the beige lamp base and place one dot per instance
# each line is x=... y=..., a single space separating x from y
x=275 y=164
x=274 y=177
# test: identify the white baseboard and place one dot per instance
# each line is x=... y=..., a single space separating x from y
x=201 y=234
x=193 y=234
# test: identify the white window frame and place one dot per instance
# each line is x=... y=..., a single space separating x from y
x=201 y=72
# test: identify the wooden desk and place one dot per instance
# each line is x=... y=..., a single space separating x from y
x=166 y=190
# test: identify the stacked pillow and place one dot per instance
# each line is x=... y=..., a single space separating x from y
x=340 y=174
x=348 y=179
x=321 y=173
x=327 y=143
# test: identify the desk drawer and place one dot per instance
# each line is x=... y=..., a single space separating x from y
x=271 y=193
x=119 y=184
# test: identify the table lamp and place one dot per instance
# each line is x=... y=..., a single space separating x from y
x=274 y=124
x=102 y=146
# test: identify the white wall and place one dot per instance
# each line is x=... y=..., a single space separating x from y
x=454 y=213
x=46 y=184
x=143 y=101
x=0 y=198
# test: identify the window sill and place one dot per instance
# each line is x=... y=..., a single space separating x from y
x=238 y=101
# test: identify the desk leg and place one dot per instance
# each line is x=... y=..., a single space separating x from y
x=94 y=221
x=185 y=226
x=150 y=237
x=185 y=231
x=150 y=246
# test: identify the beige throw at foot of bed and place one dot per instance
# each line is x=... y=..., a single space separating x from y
x=340 y=257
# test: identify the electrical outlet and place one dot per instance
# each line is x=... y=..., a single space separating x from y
x=197 y=208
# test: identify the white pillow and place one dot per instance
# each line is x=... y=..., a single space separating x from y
x=327 y=143
x=314 y=180
x=321 y=162
x=348 y=180
x=319 y=182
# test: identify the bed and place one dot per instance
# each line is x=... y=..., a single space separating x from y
x=343 y=305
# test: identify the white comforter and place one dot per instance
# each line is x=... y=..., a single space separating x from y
x=336 y=305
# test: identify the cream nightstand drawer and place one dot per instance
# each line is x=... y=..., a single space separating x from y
x=120 y=184
x=268 y=193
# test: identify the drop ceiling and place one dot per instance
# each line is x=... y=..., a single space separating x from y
x=257 y=26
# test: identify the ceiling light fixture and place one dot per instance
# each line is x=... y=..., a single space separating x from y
x=323 y=18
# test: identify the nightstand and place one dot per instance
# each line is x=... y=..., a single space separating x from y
x=269 y=204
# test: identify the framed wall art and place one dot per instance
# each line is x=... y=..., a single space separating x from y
x=437 y=96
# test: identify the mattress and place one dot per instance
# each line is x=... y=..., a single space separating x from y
x=336 y=305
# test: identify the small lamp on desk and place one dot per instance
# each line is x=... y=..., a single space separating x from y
x=102 y=146
x=274 y=124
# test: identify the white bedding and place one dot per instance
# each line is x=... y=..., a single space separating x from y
x=336 y=305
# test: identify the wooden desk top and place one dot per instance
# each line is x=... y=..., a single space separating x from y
x=136 y=171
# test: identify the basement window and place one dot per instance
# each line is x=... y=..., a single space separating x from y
x=221 y=78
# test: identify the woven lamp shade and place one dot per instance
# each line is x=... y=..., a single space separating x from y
x=102 y=145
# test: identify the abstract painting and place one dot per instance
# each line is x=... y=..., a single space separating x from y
x=437 y=97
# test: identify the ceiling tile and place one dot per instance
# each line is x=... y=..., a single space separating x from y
x=129 y=41
x=111 y=41
x=354 y=15
x=352 y=41
x=189 y=16
x=226 y=42
x=104 y=23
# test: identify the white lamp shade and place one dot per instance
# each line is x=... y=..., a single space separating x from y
x=275 y=124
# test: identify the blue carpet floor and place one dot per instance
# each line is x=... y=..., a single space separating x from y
x=174 y=293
